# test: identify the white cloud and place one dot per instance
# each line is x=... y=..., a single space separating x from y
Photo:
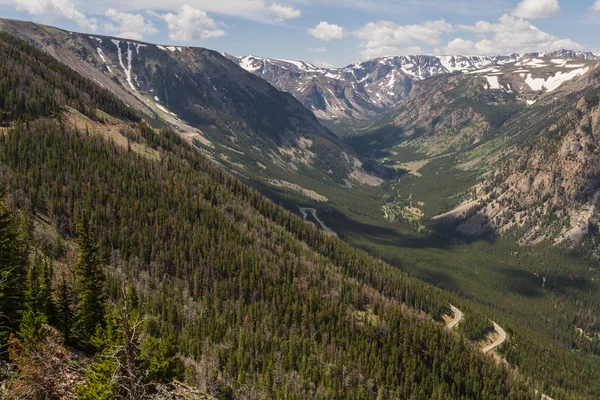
x=510 y=34
x=191 y=24
x=537 y=9
x=317 y=49
x=375 y=52
x=284 y=12
x=461 y=46
x=323 y=64
x=327 y=31
x=255 y=10
x=52 y=11
x=128 y=25
x=387 y=38
x=596 y=6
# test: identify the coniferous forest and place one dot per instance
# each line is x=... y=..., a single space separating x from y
x=141 y=271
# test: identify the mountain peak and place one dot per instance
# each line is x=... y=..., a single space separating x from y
x=365 y=89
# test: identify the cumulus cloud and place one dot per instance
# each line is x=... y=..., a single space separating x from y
x=386 y=38
x=52 y=11
x=596 y=6
x=284 y=12
x=128 y=25
x=327 y=31
x=376 y=52
x=509 y=34
x=537 y=9
x=323 y=64
x=191 y=24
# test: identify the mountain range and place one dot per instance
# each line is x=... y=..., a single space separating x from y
x=226 y=213
x=365 y=89
x=231 y=114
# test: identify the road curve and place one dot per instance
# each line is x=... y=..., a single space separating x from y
x=457 y=317
x=497 y=342
x=303 y=210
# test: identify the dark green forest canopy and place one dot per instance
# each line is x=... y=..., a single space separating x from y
x=264 y=299
x=225 y=271
x=33 y=84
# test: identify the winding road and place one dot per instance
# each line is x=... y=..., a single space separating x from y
x=304 y=211
x=457 y=317
x=497 y=342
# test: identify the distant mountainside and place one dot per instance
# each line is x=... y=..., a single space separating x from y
x=532 y=130
x=123 y=241
x=366 y=89
x=550 y=189
x=233 y=115
x=451 y=111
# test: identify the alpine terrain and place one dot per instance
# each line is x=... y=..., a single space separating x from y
x=180 y=223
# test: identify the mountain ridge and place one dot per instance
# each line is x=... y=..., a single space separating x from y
x=212 y=102
x=363 y=90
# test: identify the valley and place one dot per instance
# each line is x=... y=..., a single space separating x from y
x=494 y=272
x=179 y=150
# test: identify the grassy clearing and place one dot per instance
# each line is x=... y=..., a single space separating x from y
x=111 y=129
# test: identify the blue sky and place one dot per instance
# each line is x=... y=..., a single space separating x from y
x=331 y=32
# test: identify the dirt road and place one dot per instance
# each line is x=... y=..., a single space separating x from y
x=304 y=212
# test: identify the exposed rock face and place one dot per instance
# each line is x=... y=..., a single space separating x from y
x=451 y=112
x=550 y=190
x=363 y=90
x=211 y=100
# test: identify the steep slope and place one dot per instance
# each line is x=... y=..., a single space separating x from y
x=457 y=111
x=548 y=190
x=230 y=113
x=359 y=91
x=264 y=304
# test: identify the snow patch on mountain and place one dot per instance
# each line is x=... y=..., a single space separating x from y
x=128 y=69
x=365 y=89
x=553 y=82
x=493 y=82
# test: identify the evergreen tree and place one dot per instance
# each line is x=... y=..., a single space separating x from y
x=47 y=303
x=90 y=285
x=32 y=330
x=14 y=252
x=33 y=287
x=100 y=383
x=64 y=312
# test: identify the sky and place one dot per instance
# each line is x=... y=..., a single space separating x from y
x=331 y=33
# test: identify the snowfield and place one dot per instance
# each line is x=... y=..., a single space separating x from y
x=553 y=82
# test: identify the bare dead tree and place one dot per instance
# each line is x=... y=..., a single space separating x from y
x=126 y=375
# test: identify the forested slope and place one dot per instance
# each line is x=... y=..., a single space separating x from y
x=102 y=242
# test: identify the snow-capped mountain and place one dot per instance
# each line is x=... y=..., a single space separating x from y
x=368 y=88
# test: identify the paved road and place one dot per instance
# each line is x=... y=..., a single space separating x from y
x=457 y=317
x=304 y=211
x=497 y=342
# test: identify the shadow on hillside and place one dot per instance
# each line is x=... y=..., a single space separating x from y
x=370 y=144
x=521 y=282
x=563 y=284
x=441 y=234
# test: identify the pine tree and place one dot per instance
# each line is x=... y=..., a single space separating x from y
x=33 y=292
x=32 y=329
x=64 y=312
x=47 y=304
x=14 y=252
x=90 y=286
